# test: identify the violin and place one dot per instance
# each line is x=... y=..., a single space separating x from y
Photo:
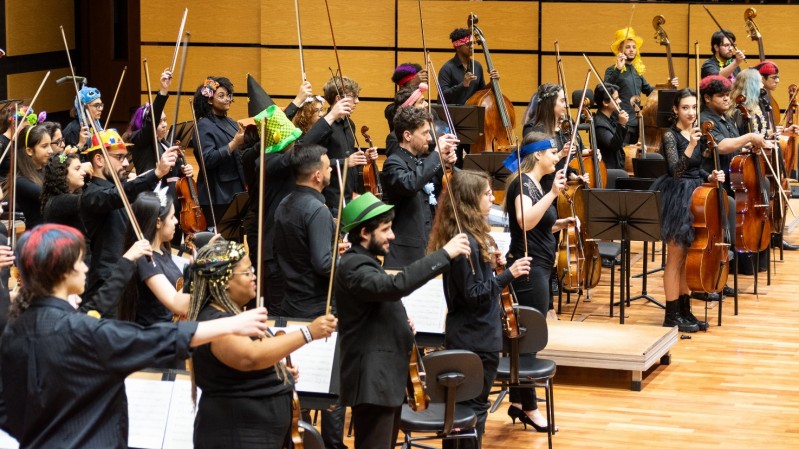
x=706 y=265
x=192 y=219
x=296 y=431
x=500 y=117
x=752 y=225
x=371 y=174
x=418 y=400
x=510 y=324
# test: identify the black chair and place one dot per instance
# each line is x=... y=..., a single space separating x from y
x=532 y=371
x=311 y=439
x=452 y=376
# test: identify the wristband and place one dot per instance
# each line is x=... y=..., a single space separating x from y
x=306 y=333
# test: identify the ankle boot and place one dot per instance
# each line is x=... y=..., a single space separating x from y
x=673 y=318
x=685 y=311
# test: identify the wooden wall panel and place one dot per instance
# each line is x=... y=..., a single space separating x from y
x=208 y=21
x=506 y=25
x=361 y=23
x=32 y=26
x=53 y=97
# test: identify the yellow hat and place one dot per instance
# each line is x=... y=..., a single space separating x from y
x=620 y=37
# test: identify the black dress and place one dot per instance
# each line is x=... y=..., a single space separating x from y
x=238 y=409
x=676 y=188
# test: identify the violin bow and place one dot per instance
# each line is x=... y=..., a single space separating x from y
x=336 y=236
x=259 y=299
x=445 y=178
x=698 y=81
x=299 y=39
x=339 y=92
x=629 y=25
x=521 y=197
x=114 y=101
x=727 y=35
x=424 y=45
x=180 y=86
x=199 y=155
x=472 y=18
x=562 y=77
x=180 y=38
x=601 y=82
x=573 y=137
x=81 y=106
x=152 y=115
x=30 y=108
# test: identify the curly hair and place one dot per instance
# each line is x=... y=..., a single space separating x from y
x=55 y=176
x=303 y=119
x=459 y=33
x=468 y=186
x=334 y=85
x=201 y=106
x=714 y=84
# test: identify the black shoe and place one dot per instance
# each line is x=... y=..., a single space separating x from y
x=789 y=246
x=685 y=311
x=674 y=318
x=702 y=296
x=728 y=291
x=515 y=412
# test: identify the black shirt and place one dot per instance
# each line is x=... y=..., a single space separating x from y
x=672 y=147
x=541 y=243
x=65 y=209
x=149 y=310
x=713 y=66
x=339 y=140
x=64 y=373
x=5 y=165
x=473 y=320
x=631 y=84
x=610 y=135
x=451 y=79
x=304 y=231
x=723 y=128
x=28 y=196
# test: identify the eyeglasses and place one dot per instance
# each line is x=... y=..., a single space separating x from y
x=223 y=97
x=119 y=156
x=59 y=143
x=248 y=273
x=98 y=106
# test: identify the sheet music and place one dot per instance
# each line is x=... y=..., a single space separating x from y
x=7 y=441
x=315 y=361
x=148 y=408
x=503 y=241
x=427 y=307
x=179 y=432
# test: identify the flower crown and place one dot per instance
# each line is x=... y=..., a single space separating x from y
x=209 y=87
x=27 y=114
x=220 y=267
x=161 y=193
x=544 y=95
x=65 y=154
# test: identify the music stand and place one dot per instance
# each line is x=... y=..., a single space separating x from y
x=490 y=163
x=624 y=215
x=182 y=132
x=649 y=168
x=468 y=121
x=231 y=225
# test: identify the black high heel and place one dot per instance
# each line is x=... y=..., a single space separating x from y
x=515 y=412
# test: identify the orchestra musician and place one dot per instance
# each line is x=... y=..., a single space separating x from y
x=462 y=76
x=48 y=339
x=76 y=133
x=473 y=309
x=374 y=331
x=682 y=151
x=610 y=126
x=628 y=75
x=32 y=153
x=726 y=61
x=64 y=179
x=408 y=75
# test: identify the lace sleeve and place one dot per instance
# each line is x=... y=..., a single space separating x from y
x=677 y=162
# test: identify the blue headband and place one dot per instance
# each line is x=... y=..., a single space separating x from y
x=512 y=162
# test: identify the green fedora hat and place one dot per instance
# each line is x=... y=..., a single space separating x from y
x=362 y=209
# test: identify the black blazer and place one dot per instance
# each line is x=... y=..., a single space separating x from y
x=224 y=169
x=404 y=177
x=375 y=337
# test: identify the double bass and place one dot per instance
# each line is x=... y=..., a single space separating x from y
x=650 y=112
x=707 y=261
x=752 y=224
x=500 y=117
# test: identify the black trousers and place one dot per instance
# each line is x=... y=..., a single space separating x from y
x=376 y=427
x=332 y=426
x=480 y=404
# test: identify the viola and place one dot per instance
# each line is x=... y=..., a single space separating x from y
x=371 y=174
x=500 y=117
x=192 y=219
x=752 y=225
x=418 y=400
x=706 y=265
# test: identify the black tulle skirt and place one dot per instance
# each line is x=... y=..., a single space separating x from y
x=676 y=218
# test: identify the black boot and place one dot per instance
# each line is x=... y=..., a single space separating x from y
x=673 y=318
x=685 y=311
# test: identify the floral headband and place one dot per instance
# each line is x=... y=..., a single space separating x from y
x=65 y=154
x=28 y=115
x=314 y=98
x=550 y=94
x=209 y=87
x=219 y=268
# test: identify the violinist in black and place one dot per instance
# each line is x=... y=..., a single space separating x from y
x=610 y=126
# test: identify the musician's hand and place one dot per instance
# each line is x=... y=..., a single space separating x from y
x=413 y=326
x=343 y=108
x=468 y=77
x=166 y=80
x=88 y=168
x=138 y=249
x=790 y=131
x=586 y=152
x=84 y=136
x=566 y=149
x=74 y=301
x=586 y=178
x=499 y=259
x=716 y=176
x=757 y=140
x=695 y=136
x=250 y=323
x=675 y=82
x=238 y=140
x=323 y=326
x=624 y=117
x=494 y=74
x=294 y=371
x=371 y=154
x=521 y=267
x=458 y=245
x=423 y=77
x=562 y=223
x=188 y=170
x=621 y=59
x=343 y=246
x=559 y=183
x=739 y=57
x=167 y=161
x=304 y=93
x=357 y=158
x=6 y=256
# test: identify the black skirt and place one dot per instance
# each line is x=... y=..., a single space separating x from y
x=676 y=219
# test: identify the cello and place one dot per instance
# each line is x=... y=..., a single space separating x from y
x=371 y=174
x=500 y=117
x=788 y=144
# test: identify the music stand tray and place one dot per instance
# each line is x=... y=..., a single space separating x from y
x=625 y=215
x=181 y=132
x=467 y=120
x=231 y=225
x=649 y=168
x=490 y=163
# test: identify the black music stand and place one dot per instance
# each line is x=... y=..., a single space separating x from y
x=490 y=163
x=231 y=225
x=468 y=121
x=624 y=215
x=181 y=132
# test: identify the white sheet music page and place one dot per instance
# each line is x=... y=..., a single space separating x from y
x=427 y=307
x=315 y=362
x=180 y=424
x=503 y=241
x=7 y=441
x=148 y=408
